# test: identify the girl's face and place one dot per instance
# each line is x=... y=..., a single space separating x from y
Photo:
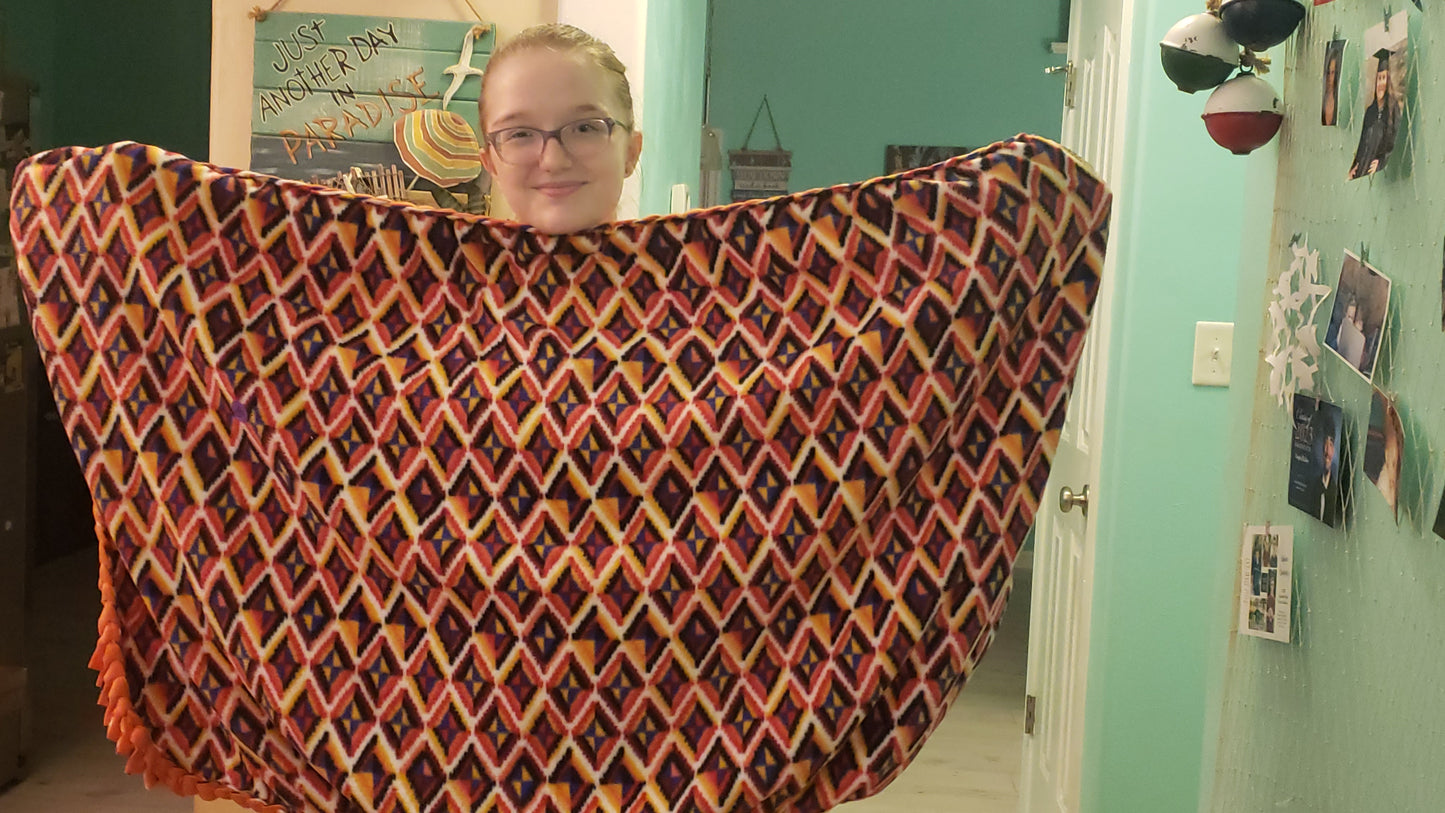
x=1382 y=84
x=555 y=191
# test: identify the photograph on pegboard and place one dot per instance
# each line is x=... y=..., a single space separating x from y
x=1330 y=93
x=1362 y=304
x=1266 y=571
x=1318 y=484
x=1384 y=444
x=1385 y=78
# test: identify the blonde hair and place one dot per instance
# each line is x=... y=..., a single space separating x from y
x=564 y=38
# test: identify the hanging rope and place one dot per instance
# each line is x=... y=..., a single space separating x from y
x=474 y=11
x=1259 y=63
x=259 y=14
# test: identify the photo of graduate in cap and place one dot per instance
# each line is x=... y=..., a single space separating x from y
x=1386 y=85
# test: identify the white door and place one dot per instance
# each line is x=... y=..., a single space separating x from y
x=1063 y=568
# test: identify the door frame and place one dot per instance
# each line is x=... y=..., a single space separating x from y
x=1109 y=166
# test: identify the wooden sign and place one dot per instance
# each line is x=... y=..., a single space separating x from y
x=329 y=89
x=760 y=173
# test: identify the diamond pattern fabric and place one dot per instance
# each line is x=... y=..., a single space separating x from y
x=408 y=510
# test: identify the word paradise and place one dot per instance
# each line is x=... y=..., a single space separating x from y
x=398 y=98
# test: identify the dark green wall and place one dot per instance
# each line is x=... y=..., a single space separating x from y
x=113 y=70
x=845 y=78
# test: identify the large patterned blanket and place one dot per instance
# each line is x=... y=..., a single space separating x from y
x=407 y=510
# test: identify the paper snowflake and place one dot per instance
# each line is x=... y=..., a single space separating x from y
x=1294 y=348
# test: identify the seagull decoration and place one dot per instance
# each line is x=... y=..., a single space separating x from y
x=460 y=71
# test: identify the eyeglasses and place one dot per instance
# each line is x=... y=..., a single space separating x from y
x=581 y=139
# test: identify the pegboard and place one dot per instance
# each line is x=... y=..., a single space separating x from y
x=1347 y=716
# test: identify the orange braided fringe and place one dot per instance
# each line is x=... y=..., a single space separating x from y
x=125 y=727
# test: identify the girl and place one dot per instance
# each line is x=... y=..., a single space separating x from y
x=1377 y=136
x=558 y=131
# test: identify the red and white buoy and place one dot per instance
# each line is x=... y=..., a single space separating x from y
x=1243 y=114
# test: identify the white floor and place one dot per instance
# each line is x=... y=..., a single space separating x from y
x=970 y=765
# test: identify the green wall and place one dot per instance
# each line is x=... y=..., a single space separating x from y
x=106 y=71
x=845 y=78
x=1258 y=214
x=1346 y=716
x=1166 y=499
x=672 y=114
x=27 y=52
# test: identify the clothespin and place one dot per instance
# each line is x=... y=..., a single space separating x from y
x=1364 y=253
x=1389 y=12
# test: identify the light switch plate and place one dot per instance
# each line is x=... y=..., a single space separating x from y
x=1213 y=353
x=681 y=199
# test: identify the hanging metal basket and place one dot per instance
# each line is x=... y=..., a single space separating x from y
x=760 y=173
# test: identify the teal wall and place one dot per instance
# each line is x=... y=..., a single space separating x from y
x=1219 y=577
x=845 y=78
x=107 y=71
x=1167 y=501
x=1345 y=717
x=672 y=113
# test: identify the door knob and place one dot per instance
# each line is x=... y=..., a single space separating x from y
x=1068 y=499
x=1067 y=69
